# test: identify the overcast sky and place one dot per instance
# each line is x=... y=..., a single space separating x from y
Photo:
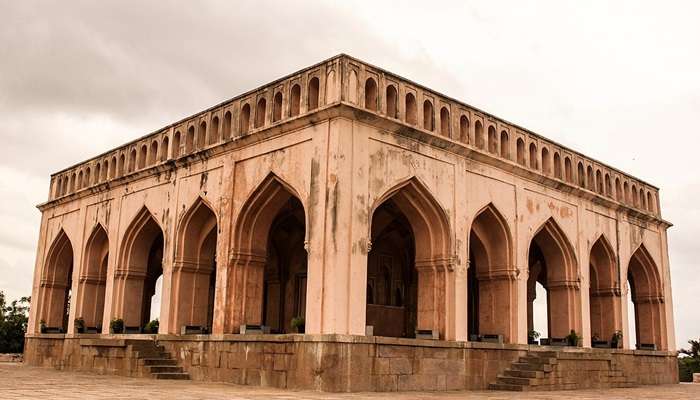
x=618 y=81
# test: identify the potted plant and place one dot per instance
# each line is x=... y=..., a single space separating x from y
x=532 y=337
x=151 y=327
x=573 y=339
x=42 y=326
x=616 y=340
x=79 y=325
x=116 y=325
x=298 y=324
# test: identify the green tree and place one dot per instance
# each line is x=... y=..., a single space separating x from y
x=689 y=363
x=13 y=324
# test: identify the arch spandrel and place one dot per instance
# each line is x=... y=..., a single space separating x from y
x=558 y=249
x=429 y=219
x=602 y=258
x=98 y=237
x=493 y=231
x=255 y=216
x=198 y=217
x=60 y=244
x=140 y=225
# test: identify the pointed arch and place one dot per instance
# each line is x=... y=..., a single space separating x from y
x=213 y=136
x=430 y=228
x=492 y=288
x=55 y=285
x=194 y=268
x=392 y=101
x=427 y=217
x=552 y=262
x=260 y=111
x=139 y=266
x=604 y=290
x=253 y=227
x=646 y=289
x=257 y=212
x=411 y=109
x=312 y=94
x=371 y=94
x=93 y=278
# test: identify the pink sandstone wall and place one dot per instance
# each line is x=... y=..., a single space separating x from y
x=338 y=363
x=342 y=160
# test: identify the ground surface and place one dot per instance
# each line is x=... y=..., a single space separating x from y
x=22 y=382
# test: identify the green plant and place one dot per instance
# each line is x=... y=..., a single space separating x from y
x=13 y=324
x=116 y=325
x=533 y=335
x=80 y=324
x=573 y=338
x=689 y=361
x=152 y=327
x=298 y=322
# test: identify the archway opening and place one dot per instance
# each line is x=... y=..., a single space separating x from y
x=391 y=274
x=141 y=266
x=194 y=271
x=491 y=278
x=402 y=261
x=284 y=291
x=604 y=293
x=537 y=296
x=552 y=263
x=56 y=283
x=646 y=292
x=269 y=262
x=93 y=280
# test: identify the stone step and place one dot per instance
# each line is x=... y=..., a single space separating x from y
x=518 y=366
x=512 y=380
x=158 y=361
x=538 y=360
x=507 y=387
x=157 y=369
x=172 y=375
x=152 y=354
x=524 y=374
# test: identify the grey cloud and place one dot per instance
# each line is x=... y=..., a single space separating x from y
x=615 y=81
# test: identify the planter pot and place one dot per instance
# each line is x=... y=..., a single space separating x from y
x=80 y=330
x=545 y=342
x=600 y=344
x=532 y=341
x=301 y=328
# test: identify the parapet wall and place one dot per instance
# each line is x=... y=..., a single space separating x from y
x=340 y=363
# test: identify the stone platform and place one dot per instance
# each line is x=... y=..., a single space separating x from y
x=343 y=363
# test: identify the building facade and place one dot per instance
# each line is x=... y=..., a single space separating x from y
x=359 y=203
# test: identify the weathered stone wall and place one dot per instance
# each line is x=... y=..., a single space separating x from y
x=340 y=363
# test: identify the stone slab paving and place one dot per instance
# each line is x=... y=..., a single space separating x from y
x=22 y=382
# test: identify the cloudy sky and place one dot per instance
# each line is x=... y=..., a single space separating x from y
x=619 y=82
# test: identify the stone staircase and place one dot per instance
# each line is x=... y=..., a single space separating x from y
x=154 y=360
x=558 y=370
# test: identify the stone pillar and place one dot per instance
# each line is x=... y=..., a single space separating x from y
x=497 y=303
x=190 y=295
x=246 y=273
x=90 y=300
x=605 y=312
x=129 y=286
x=562 y=301
x=433 y=279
